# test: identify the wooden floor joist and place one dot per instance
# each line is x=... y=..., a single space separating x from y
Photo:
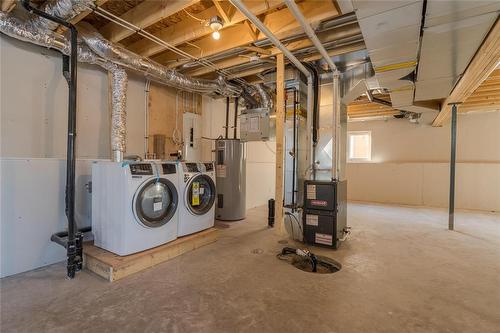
x=482 y=65
x=113 y=267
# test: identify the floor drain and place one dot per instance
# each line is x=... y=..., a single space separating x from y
x=324 y=265
x=257 y=251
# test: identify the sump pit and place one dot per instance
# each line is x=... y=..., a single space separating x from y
x=308 y=262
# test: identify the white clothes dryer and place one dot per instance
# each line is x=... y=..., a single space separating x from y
x=197 y=188
x=134 y=205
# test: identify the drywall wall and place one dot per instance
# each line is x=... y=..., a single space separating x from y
x=33 y=129
x=410 y=163
x=32 y=209
x=398 y=140
x=260 y=155
x=34 y=106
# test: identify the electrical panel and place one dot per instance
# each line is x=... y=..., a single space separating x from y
x=255 y=125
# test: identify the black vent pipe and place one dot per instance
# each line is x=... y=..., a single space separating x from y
x=73 y=248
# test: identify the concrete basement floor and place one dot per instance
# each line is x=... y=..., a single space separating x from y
x=402 y=272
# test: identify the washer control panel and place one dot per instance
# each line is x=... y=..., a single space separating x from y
x=141 y=169
x=168 y=168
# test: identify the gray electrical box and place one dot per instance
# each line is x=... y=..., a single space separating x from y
x=255 y=125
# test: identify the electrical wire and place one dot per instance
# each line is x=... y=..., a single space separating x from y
x=129 y=26
x=296 y=220
x=194 y=17
x=290 y=215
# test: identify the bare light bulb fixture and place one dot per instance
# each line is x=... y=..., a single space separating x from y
x=215 y=23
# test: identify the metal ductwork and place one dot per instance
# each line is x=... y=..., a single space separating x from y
x=420 y=48
x=153 y=70
x=392 y=36
x=95 y=49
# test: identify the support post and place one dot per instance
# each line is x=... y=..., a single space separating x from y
x=451 y=214
x=280 y=122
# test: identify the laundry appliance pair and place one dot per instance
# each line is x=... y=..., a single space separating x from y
x=138 y=205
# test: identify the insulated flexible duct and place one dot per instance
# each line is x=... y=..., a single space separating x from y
x=93 y=48
x=153 y=70
x=15 y=28
x=266 y=100
x=119 y=81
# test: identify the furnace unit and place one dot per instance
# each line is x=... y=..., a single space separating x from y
x=325 y=212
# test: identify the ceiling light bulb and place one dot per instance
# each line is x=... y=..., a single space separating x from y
x=216 y=35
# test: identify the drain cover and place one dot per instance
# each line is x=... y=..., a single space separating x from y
x=257 y=251
x=325 y=265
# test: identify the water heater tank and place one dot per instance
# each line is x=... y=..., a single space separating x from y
x=231 y=179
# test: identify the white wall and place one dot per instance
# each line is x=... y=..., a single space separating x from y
x=260 y=155
x=410 y=163
x=34 y=106
x=33 y=129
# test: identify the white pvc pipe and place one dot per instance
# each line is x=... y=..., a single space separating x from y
x=309 y=32
x=244 y=10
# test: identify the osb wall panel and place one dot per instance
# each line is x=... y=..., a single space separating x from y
x=162 y=114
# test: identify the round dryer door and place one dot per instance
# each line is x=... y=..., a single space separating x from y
x=156 y=202
x=200 y=194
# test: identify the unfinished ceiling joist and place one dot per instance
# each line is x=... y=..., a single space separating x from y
x=281 y=23
x=186 y=31
x=334 y=35
x=8 y=5
x=144 y=15
x=482 y=65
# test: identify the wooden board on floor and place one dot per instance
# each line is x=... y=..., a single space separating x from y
x=113 y=267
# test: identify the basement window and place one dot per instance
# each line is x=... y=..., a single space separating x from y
x=359 y=146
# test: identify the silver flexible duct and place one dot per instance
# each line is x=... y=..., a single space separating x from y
x=119 y=81
x=95 y=49
x=153 y=70
x=266 y=100
x=65 y=9
x=14 y=27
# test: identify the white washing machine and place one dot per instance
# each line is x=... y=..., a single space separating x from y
x=134 y=205
x=197 y=188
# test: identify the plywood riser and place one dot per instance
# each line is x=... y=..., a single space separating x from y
x=113 y=267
